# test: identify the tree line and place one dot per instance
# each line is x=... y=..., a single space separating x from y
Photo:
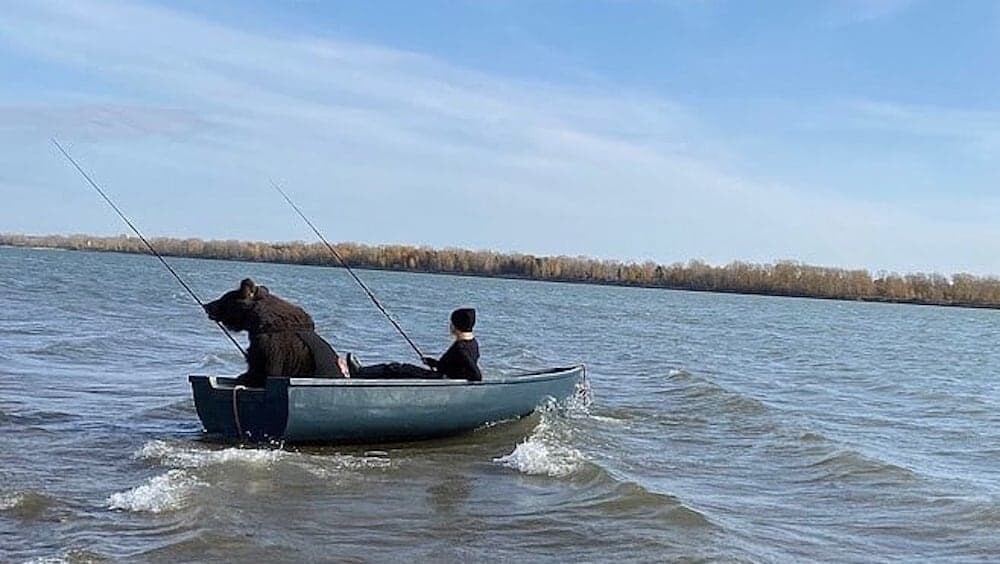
x=783 y=278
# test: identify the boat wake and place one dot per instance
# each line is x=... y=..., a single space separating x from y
x=188 y=456
x=166 y=492
x=193 y=466
x=544 y=452
x=180 y=456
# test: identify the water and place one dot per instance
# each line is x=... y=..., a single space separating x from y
x=732 y=428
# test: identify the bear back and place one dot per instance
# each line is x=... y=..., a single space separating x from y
x=271 y=314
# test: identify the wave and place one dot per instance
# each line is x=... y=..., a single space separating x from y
x=70 y=349
x=847 y=464
x=36 y=417
x=545 y=451
x=212 y=361
x=26 y=505
x=61 y=559
x=190 y=457
x=629 y=499
x=548 y=451
x=70 y=557
x=982 y=512
x=537 y=457
x=693 y=388
x=166 y=492
x=187 y=457
x=172 y=411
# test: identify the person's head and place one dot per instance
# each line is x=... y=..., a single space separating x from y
x=463 y=320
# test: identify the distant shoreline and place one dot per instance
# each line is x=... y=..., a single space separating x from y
x=785 y=278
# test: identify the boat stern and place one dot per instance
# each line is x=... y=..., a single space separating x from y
x=232 y=411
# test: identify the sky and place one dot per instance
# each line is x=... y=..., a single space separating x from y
x=845 y=133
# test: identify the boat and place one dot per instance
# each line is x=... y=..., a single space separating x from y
x=354 y=410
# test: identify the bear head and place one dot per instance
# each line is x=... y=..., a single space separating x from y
x=254 y=309
x=235 y=308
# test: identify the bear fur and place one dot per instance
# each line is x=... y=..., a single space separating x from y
x=283 y=339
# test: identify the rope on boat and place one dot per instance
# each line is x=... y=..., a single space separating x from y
x=236 y=410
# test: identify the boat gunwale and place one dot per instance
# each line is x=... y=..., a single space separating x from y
x=540 y=376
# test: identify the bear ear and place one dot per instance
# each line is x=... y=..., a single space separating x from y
x=247 y=288
x=261 y=292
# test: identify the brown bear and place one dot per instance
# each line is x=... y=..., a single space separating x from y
x=283 y=339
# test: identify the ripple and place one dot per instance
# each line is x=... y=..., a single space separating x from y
x=69 y=349
x=37 y=417
x=172 y=411
x=984 y=514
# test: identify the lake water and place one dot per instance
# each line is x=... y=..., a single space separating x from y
x=722 y=427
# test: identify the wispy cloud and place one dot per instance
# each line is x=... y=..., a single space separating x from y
x=99 y=121
x=977 y=130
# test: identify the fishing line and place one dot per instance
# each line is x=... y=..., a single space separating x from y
x=144 y=240
x=350 y=271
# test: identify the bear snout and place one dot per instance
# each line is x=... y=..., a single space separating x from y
x=211 y=309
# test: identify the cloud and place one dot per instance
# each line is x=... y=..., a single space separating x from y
x=394 y=146
x=99 y=121
x=977 y=130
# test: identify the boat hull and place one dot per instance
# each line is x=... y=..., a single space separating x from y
x=323 y=410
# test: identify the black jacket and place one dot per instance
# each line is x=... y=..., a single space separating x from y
x=460 y=361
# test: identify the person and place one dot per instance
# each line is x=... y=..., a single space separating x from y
x=459 y=362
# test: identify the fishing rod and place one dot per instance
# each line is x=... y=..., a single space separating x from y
x=350 y=271
x=148 y=244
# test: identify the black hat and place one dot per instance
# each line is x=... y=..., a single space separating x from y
x=464 y=319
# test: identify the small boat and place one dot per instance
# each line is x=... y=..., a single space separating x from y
x=353 y=410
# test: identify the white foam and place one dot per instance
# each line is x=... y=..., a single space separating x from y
x=48 y=560
x=334 y=465
x=211 y=361
x=323 y=466
x=165 y=492
x=10 y=501
x=581 y=400
x=187 y=457
x=606 y=419
x=542 y=454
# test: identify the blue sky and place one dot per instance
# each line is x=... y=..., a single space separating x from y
x=850 y=133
